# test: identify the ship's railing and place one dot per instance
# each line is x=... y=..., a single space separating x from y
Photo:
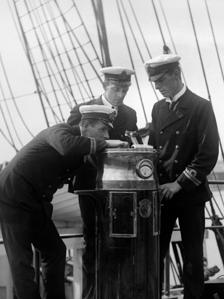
x=167 y=260
x=37 y=255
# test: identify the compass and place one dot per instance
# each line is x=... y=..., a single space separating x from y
x=144 y=168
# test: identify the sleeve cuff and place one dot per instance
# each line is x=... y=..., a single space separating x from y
x=97 y=145
x=92 y=146
x=187 y=180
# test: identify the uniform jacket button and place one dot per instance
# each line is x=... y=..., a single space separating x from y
x=176 y=161
x=160 y=147
x=177 y=146
x=177 y=132
x=161 y=132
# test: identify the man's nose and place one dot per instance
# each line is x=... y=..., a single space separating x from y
x=157 y=85
x=121 y=94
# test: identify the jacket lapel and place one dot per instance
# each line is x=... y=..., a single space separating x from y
x=168 y=118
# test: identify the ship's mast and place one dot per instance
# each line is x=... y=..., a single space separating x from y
x=102 y=34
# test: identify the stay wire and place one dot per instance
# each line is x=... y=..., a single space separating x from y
x=203 y=68
x=170 y=35
x=214 y=40
x=158 y=22
x=135 y=40
x=87 y=33
x=45 y=60
x=64 y=81
x=7 y=127
x=9 y=119
x=131 y=59
x=14 y=102
x=68 y=28
x=72 y=66
x=29 y=57
x=139 y=28
x=84 y=52
x=97 y=7
x=219 y=189
x=8 y=141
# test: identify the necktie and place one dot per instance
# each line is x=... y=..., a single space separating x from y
x=172 y=105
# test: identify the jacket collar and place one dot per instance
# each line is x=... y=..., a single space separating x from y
x=178 y=95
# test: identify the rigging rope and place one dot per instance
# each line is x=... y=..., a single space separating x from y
x=214 y=40
x=7 y=127
x=44 y=34
x=205 y=78
x=158 y=22
x=87 y=33
x=46 y=63
x=13 y=99
x=6 y=138
x=170 y=35
x=139 y=28
x=73 y=67
x=17 y=97
x=68 y=28
x=65 y=81
x=203 y=68
x=131 y=59
x=29 y=57
x=135 y=40
x=78 y=42
x=9 y=114
x=97 y=6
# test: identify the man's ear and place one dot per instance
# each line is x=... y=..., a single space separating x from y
x=177 y=71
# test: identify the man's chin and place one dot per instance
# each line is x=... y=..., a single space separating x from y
x=164 y=94
x=119 y=104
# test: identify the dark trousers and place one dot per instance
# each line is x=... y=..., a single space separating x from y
x=192 y=221
x=20 y=230
x=88 y=208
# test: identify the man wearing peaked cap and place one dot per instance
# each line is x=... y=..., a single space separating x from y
x=160 y=65
x=116 y=83
x=98 y=112
x=119 y=75
x=184 y=132
x=27 y=186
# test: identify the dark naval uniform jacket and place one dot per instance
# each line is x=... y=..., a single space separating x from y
x=187 y=141
x=43 y=165
x=126 y=119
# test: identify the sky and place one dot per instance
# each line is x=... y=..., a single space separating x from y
x=22 y=82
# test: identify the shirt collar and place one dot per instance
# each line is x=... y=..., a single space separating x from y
x=105 y=102
x=178 y=95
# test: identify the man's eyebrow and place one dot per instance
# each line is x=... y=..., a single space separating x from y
x=161 y=78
